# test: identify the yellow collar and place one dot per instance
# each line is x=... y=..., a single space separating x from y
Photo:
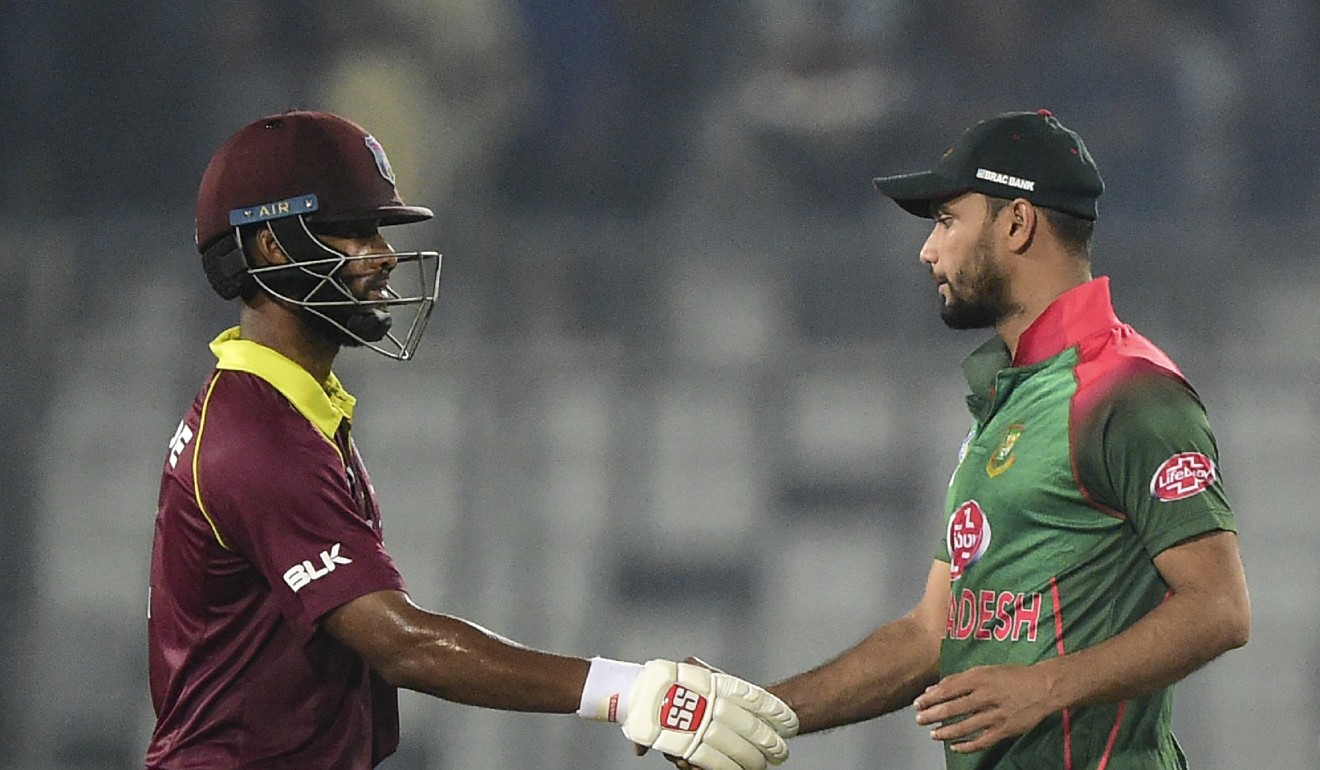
x=324 y=405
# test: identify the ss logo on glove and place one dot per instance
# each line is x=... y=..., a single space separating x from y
x=681 y=709
x=712 y=720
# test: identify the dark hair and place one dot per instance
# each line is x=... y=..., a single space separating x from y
x=1073 y=232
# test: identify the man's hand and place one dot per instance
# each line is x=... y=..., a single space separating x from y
x=707 y=718
x=977 y=708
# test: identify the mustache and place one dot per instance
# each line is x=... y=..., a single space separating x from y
x=361 y=284
x=375 y=275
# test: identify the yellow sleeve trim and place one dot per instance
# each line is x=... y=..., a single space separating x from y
x=197 y=452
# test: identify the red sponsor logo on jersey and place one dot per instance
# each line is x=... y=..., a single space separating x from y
x=682 y=709
x=967 y=538
x=1181 y=476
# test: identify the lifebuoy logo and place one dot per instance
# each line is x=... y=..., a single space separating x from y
x=1182 y=476
x=682 y=709
x=967 y=538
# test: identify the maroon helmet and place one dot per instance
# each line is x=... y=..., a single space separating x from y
x=292 y=173
x=295 y=154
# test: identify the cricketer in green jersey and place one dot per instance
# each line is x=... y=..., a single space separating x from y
x=1089 y=557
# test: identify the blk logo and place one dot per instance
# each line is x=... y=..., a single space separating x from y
x=1181 y=476
x=182 y=435
x=682 y=709
x=967 y=538
x=299 y=575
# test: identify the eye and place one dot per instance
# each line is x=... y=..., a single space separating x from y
x=357 y=231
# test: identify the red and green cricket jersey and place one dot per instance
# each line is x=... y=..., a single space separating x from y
x=1089 y=455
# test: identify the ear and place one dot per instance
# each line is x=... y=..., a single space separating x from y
x=266 y=250
x=1022 y=223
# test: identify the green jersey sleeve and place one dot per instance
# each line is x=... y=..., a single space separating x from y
x=1146 y=451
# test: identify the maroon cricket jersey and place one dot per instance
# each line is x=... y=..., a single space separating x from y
x=266 y=522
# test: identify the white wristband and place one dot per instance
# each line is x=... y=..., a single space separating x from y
x=605 y=693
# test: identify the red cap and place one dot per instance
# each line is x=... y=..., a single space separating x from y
x=294 y=155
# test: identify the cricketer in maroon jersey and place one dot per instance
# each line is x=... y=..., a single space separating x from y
x=279 y=628
x=266 y=521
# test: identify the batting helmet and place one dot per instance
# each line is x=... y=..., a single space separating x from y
x=290 y=173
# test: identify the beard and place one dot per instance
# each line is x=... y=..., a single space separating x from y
x=349 y=327
x=365 y=325
x=978 y=293
x=329 y=333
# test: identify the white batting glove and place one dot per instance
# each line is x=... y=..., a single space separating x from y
x=709 y=718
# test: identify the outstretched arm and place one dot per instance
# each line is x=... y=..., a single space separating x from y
x=883 y=673
x=453 y=659
x=1206 y=614
x=715 y=720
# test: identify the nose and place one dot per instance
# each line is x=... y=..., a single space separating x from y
x=385 y=256
x=929 y=254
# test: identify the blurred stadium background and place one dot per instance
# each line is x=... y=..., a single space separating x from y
x=686 y=390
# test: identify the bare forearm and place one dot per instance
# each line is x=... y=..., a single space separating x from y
x=464 y=663
x=454 y=659
x=1182 y=634
x=881 y=674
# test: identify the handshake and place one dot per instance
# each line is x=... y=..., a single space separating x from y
x=707 y=718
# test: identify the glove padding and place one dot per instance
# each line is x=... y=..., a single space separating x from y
x=711 y=719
